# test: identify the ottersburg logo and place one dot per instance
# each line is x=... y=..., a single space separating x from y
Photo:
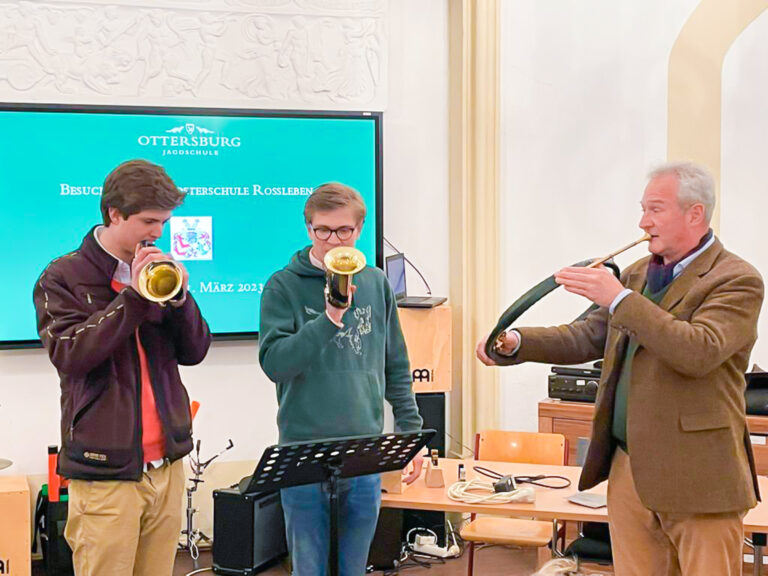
x=189 y=139
x=190 y=128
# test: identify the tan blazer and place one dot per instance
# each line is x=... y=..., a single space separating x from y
x=686 y=425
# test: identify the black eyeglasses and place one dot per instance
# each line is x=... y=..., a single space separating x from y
x=324 y=233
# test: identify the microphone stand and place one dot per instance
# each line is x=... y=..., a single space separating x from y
x=195 y=535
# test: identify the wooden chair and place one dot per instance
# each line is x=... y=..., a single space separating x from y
x=523 y=447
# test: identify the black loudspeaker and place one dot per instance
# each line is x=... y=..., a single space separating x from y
x=248 y=531
x=394 y=524
x=387 y=541
x=432 y=410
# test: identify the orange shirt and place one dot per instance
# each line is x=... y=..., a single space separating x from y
x=152 y=439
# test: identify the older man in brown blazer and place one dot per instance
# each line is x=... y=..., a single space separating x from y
x=670 y=428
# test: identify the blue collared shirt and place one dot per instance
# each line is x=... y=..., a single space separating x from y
x=676 y=271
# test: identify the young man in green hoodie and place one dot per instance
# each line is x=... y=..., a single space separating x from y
x=333 y=367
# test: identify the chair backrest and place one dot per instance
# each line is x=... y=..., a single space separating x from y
x=523 y=447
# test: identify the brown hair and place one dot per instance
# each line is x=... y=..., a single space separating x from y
x=138 y=185
x=331 y=196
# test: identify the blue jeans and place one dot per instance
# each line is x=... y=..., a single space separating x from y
x=308 y=524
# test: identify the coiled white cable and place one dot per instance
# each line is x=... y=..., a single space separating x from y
x=467 y=492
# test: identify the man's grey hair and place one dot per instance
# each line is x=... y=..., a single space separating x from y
x=697 y=186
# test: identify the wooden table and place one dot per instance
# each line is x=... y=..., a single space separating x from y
x=550 y=504
x=574 y=420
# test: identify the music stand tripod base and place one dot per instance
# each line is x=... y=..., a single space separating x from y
x=328 y=460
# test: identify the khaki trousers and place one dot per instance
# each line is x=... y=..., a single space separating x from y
x=647 y=543
x=126 y=528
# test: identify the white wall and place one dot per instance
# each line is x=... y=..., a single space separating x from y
x=416 y=134
x=409 y=39
x=584 y=117
x=744 y=150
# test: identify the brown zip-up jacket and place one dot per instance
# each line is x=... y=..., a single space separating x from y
x=89 y=331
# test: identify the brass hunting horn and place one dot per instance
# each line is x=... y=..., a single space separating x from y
x=160 y=280
x=536 y=293
x=341 y=263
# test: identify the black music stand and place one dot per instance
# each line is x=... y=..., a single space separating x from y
x=329 y=459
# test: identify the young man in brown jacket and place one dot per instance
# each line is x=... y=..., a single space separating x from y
x=125 y=416
x=669 y=430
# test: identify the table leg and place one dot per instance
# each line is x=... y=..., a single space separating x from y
x=758 y=541
x=555 y=553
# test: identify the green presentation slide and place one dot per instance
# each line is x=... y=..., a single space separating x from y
x=247 y=178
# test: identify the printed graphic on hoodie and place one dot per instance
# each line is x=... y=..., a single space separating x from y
x=352 y=335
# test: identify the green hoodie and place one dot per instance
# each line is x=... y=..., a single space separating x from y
x=333 y=381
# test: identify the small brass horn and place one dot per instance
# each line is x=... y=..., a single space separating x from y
x=161 y=280
x=341 y=263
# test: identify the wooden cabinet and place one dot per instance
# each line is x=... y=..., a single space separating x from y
x=427 y=333
x=571 y=419
x=574 y=420
x=15 y=526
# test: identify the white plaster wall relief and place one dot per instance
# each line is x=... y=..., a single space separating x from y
x=274 y=53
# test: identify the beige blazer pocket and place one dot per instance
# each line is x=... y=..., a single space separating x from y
x=704 y=421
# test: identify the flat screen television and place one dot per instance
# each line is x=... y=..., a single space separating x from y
x=247 y=174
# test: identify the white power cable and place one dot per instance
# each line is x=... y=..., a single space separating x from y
x=199 y=571
x=467 y=492
x=417 y=529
